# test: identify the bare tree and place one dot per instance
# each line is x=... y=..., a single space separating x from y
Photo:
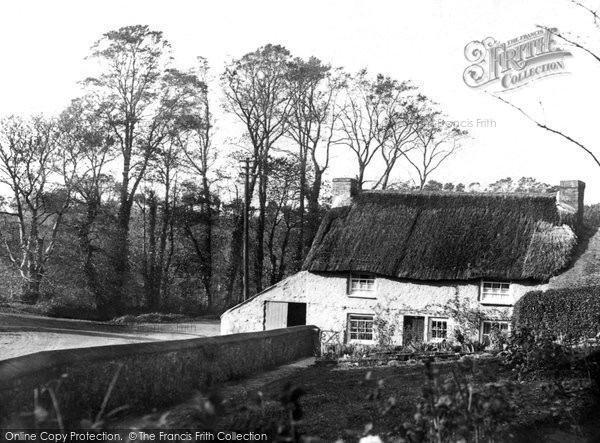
x=40 y=180
x=366 y=123
x=257 y=91
x=315 y=111
x=403 y=124
x=434 y=143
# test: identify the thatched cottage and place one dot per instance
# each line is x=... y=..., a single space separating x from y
x=407 y=264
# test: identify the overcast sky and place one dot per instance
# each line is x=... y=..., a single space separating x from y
x=44 y=44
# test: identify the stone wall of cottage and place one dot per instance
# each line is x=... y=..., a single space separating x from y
x=329 y=304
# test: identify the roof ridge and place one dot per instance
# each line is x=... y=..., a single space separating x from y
x=548 y=195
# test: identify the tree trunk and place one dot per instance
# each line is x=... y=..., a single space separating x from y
x=314 y=208
x=235 y=257
x=260 y=230
x=150 y=277
x=32 y=270
x=282 y=262
x=161 y=267
x=300 y=247
x=207 y=272
x=87 y=249
x=120 y=254
x=120 y=259
x=31 y=288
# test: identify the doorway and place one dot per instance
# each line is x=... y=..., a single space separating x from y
x=283 y=314
x=413 y=330
x=296 y=315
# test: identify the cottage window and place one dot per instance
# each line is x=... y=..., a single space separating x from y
x=438 y=329
x=362 y=283
x=496 y=293
x=488 y=325
x=360 y=328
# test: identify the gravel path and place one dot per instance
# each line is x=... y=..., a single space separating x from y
x=25 y=334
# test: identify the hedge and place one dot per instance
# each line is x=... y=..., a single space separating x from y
x=573 y=314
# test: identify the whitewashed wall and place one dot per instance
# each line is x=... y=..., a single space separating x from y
x=328 y=303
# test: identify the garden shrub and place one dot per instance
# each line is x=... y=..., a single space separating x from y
x=68 y=308
x=498 y=339
x=537 y=354
x=468 y=315
x=463 y=406
x=386 y=326
x=570 y=314
x=460 y=409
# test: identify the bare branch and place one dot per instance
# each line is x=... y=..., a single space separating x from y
x=549 y=129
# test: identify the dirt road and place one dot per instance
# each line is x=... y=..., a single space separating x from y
x=25 y=334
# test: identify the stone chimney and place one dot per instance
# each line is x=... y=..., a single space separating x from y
x=570 y=198
x=343 y=189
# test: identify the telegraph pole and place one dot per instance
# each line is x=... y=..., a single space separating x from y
x=246 y=276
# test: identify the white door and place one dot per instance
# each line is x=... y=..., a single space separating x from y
x=276 y=315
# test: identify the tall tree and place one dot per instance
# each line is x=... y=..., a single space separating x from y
x=200 y=157
x=257 y=92
x=39 y=179
x=282 y=213
x=180 y=103
x=132 y=60
x=315 y=111
x=87 y=142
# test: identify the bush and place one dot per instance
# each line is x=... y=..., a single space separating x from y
x=498 y=339
x=461 y=409
x=153 y=317
x=537 y=354
x=67 y=308
x=570 y=314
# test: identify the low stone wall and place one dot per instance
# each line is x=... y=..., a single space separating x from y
x=151 y=375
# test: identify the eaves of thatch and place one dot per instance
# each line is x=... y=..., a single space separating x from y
x=444 y=236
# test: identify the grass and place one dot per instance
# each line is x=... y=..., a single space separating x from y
x=336 y=404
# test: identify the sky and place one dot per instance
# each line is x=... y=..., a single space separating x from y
x=44 y=45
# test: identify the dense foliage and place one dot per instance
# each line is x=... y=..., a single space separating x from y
x=570 y=314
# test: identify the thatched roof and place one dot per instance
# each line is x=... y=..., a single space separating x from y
x=444 y=236
x=585 y=269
